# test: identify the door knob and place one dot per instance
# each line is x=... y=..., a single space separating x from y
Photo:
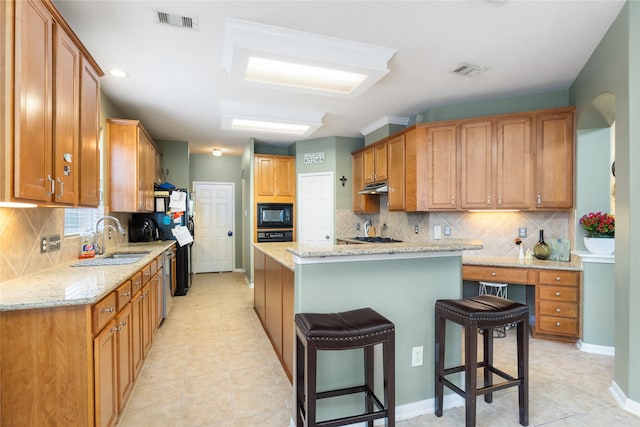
x=326 y=237
x=229 y=233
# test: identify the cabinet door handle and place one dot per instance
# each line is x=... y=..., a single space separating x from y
x=126 y=294
x=499 y=201
x=108 y=310
x=539 y=200
x=116 y=329
x=53 y=185
x=453 y=202
x=61 y=189
x=123 y=323
x=489 y=201
x=557 y=294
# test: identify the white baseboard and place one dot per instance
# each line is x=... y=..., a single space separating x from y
x=625 y=403
x=248 y=282
x=238 y=270
x=596 y=349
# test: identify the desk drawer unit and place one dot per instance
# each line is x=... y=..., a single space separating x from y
x=558 y=304
x=496 y=274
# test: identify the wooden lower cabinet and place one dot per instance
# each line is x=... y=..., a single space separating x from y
x=77 y=364
x=557 y=300
x=276 y=295
x=105 y=353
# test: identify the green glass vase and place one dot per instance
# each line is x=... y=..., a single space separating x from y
x=541 y=250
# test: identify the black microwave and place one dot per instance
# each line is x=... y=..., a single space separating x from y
x=275 y=215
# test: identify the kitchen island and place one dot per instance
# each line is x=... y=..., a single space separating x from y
x=401 y=281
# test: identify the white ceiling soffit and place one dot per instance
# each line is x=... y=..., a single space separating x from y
x=291 y=117
x=245 y=39
x=383 y=121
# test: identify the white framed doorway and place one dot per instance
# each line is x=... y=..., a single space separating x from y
x=214 y=225
x=316 y=208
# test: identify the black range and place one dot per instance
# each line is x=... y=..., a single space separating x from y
x=376 y=239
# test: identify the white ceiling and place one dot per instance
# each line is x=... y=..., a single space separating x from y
x=177 y=83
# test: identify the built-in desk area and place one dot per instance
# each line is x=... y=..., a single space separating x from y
x=554 y=297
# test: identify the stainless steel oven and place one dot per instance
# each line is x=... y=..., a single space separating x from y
x=275 y=236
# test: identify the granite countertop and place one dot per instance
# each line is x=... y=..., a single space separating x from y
x=63 y=285
x=284 y=252
x=498 y=261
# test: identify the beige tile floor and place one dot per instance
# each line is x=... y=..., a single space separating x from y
x=211 y=365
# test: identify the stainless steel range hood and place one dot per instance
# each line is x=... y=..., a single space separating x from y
x=377 y=188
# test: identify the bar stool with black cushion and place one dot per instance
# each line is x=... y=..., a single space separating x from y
x=362 y=328
x=484 y=312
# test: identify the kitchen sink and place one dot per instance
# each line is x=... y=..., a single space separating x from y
x=115 y=258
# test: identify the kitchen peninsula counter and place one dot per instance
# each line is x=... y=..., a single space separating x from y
x=401 y=281
x=63 y=285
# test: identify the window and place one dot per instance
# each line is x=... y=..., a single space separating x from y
x=79 y=220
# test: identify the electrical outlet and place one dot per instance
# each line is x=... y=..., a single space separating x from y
x=446 y=230
x=417 y=229
x=522 y=232
x=43 y=245
x=437 y=232
x=54 y=243
x=417 y=356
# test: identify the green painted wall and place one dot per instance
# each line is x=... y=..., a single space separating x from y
x=344 y=148
x=614 y=67
x=402 y=290
x=175 y=159
x=205 y=167
x=598 y=304
x=488 y=107
x=593 y=172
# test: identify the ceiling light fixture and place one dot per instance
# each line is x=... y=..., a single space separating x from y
x=216 y=152
x=118 y=73
x=270 y=120
x=283 y=73
x=249 y=45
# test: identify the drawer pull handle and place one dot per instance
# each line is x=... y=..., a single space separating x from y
x=116 y=329
x=123 y=323
x=557 y=294
x=108 y=310
x=126 y=294
x=558 y=279
x=493 y=274
x=557 y=323
x=557 y=310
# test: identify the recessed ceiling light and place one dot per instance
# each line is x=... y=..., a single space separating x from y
x=270 y=127
x=283 y=73
x=269 y=119
x=216 y=152
x=118 y=73
x=248 y=44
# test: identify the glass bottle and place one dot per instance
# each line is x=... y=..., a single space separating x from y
x=541 y=250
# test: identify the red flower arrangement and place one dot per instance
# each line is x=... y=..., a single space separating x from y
x=599 y=224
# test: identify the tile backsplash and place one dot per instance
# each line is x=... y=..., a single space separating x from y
x=20 y=232
x=497 y=230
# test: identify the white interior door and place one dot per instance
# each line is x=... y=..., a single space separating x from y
x=213 y=245
x=316 y=208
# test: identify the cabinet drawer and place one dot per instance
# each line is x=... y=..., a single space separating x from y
x=104 y=311
x=123 y=295
x=558 y=293
x=558 y=325
x=496 y=274
x=558 y=308
x=153 y=265
x=146 y=274
x=555 y=277
x=136 y=283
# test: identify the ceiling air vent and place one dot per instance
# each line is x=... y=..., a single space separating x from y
x=176 y=20
x=468 y=70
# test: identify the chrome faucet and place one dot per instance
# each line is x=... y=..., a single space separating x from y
x=100 y=248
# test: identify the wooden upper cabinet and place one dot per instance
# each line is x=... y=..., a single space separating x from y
x=476 y=166
x=496 y=159
x=44 y=129
x=275 y=179
x=442 y=181
x=554 y=159
x=33 y=178
x=514 y=163
x=415 y=154
x=66 y=120
x=396 y=173
x=361 y=203
x=131 y=156
x=89 y=161
x=375 y=163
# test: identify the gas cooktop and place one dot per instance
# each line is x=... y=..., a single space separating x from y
x=376 y=239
